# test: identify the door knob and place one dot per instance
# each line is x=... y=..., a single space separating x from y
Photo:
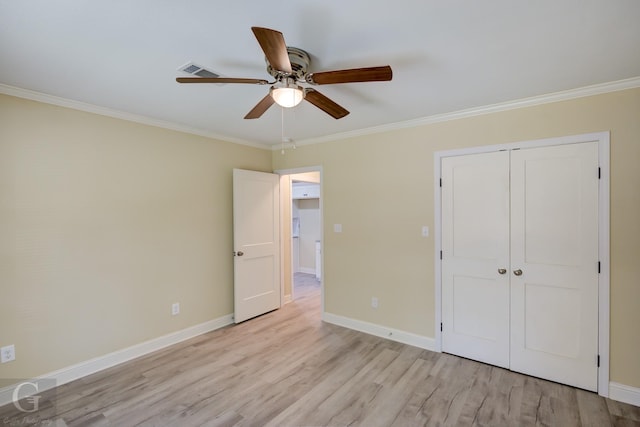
x=502 y=270
x=517 y=272
x=240 y=253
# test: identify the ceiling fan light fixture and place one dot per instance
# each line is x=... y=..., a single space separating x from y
x=287 y=94
x=289 y=66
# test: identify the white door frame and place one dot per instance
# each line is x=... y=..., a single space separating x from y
x=294 y=171
x=602 y=138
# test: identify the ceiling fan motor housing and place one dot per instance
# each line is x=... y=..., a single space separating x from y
x=299 y=59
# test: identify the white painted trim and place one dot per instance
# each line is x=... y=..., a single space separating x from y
x=624 y=393
x=103 y=111
x=284 y=181
x=307 y=270
x=304 y=169
x=437 y=237
x=565 y=95
x=88 y=367
x=534 y=143
x=603 y=139
x=604 y=325
x=392 y=334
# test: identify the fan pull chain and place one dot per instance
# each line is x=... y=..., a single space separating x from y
x=293 y=141
x=286 y=140
x=282 y=129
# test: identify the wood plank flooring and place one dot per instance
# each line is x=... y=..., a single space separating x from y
x=287 y=368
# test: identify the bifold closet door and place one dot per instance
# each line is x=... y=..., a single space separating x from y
x=475 y=246
x=554 y=244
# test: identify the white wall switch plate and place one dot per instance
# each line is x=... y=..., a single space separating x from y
x=8 y=353
x=374 y=302
x=425 y=231
x=337 y=228
x=175 y=308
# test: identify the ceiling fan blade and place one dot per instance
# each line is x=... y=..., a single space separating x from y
x=274 y=47
x=260 y=108
x=325 y=104
x=355 y=75
x=220 y=80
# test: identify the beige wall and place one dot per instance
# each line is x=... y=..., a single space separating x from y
x=103 y=224
x=380 y=188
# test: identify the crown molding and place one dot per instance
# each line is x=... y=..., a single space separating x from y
x=564 y=95
x=103 y=111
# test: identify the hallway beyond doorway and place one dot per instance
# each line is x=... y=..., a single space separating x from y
x=305 y=284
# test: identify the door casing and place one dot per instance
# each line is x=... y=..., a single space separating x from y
x=603 y=139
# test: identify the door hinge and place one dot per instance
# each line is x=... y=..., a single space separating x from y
x=440 y=326
x=599 y=173
x=598 y=361
x=440 y=254
x=440 y=182
x=598 y=267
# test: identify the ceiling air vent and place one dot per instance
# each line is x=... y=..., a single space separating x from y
x=197 y=70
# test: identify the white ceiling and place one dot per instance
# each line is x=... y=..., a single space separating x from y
x=446 y=56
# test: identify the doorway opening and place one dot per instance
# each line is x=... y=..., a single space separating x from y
x=302 y=235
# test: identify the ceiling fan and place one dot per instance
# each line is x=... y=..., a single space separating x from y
x=289 y=67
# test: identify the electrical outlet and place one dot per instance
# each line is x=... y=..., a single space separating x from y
x=175 y=308
x=8 y=353
x=374 y=302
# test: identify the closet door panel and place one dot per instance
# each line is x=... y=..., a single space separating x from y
x=475 y=244
x=554 y=244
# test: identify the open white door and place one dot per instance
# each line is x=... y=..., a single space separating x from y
x=256 y=239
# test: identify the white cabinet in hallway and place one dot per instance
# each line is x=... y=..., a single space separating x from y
x=305 y=190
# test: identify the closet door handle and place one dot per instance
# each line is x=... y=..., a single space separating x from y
x=502 y=270
x=517 y=272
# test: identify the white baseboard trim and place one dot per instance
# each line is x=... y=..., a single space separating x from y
x=624 y=393
x=82 y=369
x=287 y=299
x=381 y=331
x=307 y=270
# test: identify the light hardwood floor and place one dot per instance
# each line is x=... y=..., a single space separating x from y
x=287 y=368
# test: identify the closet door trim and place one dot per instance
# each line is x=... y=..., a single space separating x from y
x=602 y=138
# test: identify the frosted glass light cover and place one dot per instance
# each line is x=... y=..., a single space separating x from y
x=287 y=96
